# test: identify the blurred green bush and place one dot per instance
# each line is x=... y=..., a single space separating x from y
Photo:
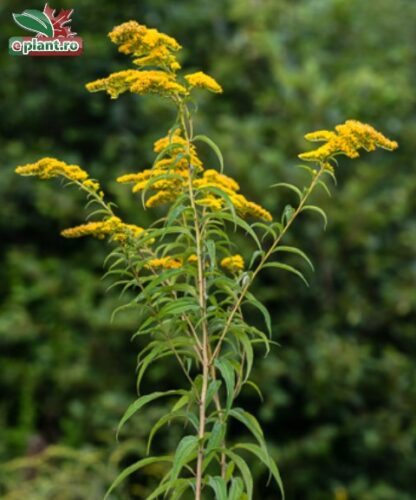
x=340 y=392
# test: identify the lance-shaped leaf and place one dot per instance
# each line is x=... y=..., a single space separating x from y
x=286 y=267
x=244 y=469
x=133 y=468
x=297 y=251
x=144 y=400
x=266 y=459
x=236 y=489
x=35 y=20
x=227 y=372
x=185 y=452
x=219 y=486
x=314 y=208
x=213 y=146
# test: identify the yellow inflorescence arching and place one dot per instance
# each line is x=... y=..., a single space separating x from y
x=47 y=168
x=138 y=82
x=347 y=139
x=113 y=226
x=204 y=81
x=234 y=263
x=165 y=263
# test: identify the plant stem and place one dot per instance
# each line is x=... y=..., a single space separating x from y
x=264 y=259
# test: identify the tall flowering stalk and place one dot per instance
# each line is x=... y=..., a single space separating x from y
x=191 y=290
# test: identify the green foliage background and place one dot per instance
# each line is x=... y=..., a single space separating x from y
x=340 y=391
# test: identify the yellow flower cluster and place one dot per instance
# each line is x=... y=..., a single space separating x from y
x=151 y=49
x=168 y=188
x=47 y=168
x=165 y=263
x=138 y=82
x=159 y=56
x=245 y=208
x=113 y=226
x=234 y=263
x=347 y=139
x=175 y=171
x=149 y=46
x=204 y=81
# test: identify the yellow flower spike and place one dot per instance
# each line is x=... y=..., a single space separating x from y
x=347 y=139
x=204 y=81
x=165 y=263
x=160 y=198
x=234 y=263
x=138 y=82
x=48 y=168
x=212 y=202
x=113 y=226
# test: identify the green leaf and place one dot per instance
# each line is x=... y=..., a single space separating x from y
x=286 y=267
x=213 y=388
x=267 y=460
x=297 y=251
x=217 y=483
x=288 y=186
x=227 y=373
x=255 y=387
x=244 y=469
x=248 y=349
x=159 y=424
x=214 y=147
x=35 y=20
x=216 y=438
x=250 y=422
x=251 y=299
x=287 y=214
x=163 y=488
x=185 y=452
x=133 y=468
x=236 y=489
x=318 y=210
x=325 y=188
x=144 y=400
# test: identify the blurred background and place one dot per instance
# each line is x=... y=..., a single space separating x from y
x=340 y=391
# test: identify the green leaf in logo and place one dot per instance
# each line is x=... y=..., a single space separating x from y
x=35 y=20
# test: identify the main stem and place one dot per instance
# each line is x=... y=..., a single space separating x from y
x=205 y=347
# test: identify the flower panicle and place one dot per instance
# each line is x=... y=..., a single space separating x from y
x=165 y=263
x=48 y=168
x=154 y=55
x=204 y=81
x=112 y=227
x=347 y=139
x=138 y=82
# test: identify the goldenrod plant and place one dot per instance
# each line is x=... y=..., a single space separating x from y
x=192 y=291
